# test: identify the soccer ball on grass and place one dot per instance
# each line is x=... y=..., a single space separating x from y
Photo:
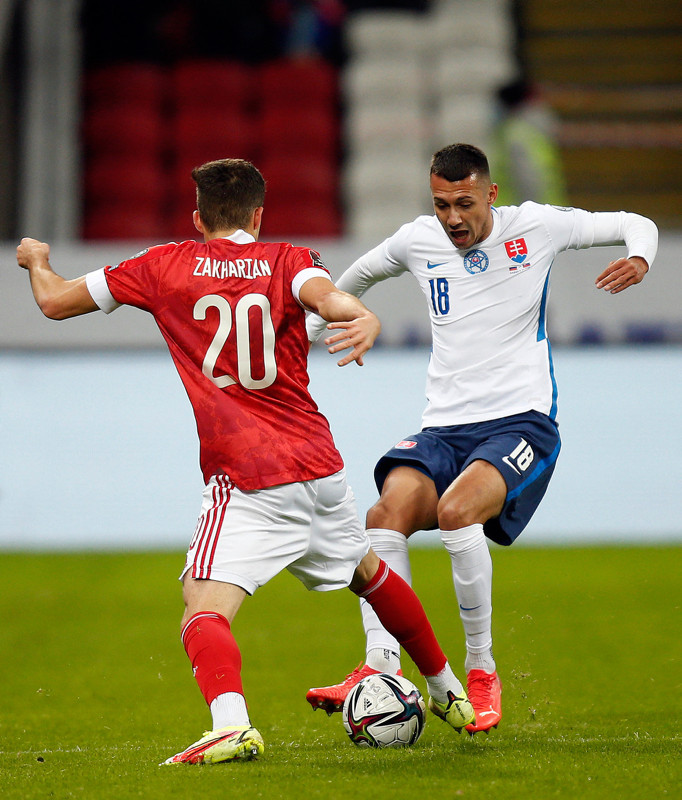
x=384 y=711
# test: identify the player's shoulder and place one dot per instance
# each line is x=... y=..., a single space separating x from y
x=296 y=257
x=155 y=252
x=530 y=213
x=422 y=227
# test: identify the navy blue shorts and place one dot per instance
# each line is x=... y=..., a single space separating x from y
x=523 y=447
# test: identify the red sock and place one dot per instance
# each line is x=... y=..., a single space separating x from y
x=213 y=651
x=403 y=616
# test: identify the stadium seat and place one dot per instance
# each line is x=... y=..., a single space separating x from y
x=302 y=220
x=464 y=23
x=124 y=221
x=139 y=181
x=128 y=84
x=291 y=180
x=465 y=118
x=385 y=34
x=108 y=131
x=368 y=81
x=199 y=135
x=300 y=132
x=309 y=83
x=472 y=69
x=210 y=83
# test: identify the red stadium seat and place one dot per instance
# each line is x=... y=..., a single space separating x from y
x=125 y=221
x=139 y=181
x=212 y=83
x=180 y=226
x=302 y=220
x=293 y=180
x=206 y=134
x=307 y=83
x=110 y=130
x=303 y=131
x=127 y=84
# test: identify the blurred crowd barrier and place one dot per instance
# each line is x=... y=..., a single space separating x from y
x=578 y=313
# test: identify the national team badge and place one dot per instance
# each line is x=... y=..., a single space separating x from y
x=476 y=261
x=406 y=444
x=517 y=250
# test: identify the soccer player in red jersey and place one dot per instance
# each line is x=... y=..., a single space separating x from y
x=232 y=312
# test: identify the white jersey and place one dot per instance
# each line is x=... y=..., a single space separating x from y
x=491 y=357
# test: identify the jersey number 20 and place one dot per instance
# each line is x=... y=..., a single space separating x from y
x=242 y=324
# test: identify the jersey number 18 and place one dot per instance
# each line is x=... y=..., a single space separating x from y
x=440 y=296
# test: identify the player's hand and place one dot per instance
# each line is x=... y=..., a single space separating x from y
x=359 y=334
x=31 y=251
x=622 y=273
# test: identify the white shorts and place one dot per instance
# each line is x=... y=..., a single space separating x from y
x=246 y=538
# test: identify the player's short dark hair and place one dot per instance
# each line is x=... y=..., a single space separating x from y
x=228 y=192
x=457 y=161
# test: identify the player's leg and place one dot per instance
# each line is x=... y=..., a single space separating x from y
x=349 y=561
x=474 y=497
x=210 y=608
x=503 y=480
x=477 y=495
x=242 y=539
x=407 y=504
x=401 y=613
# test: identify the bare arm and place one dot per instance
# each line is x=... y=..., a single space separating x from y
x=360 y=326
x=363 y=273
x=56 y=297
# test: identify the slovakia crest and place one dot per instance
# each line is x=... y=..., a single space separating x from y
x=517 y=250
x=406 y=444
x=476 y=261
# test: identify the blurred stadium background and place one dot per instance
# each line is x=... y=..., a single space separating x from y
x=106 y=106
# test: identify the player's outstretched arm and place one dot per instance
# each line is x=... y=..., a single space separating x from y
x=358 y=326
x=622 y=273
x=56 y=297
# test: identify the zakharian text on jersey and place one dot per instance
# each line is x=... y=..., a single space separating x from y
x=248 y=268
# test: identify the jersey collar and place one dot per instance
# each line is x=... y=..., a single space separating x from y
x=240 y=237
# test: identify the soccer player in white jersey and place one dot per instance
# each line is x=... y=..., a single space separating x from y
x=489 y=440
x=232 y=312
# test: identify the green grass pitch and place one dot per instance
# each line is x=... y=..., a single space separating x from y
x=96 y=689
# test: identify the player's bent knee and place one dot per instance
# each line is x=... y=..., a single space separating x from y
x=453 y=515
x=380 y=515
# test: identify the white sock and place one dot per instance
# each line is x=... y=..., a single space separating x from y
x=383 y=660
x=472 y=573
x=229 y=709
x=446 y=681
x=383 y=649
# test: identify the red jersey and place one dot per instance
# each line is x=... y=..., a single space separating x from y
x=237 y=336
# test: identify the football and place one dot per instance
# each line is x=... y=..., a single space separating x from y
x=384 y=711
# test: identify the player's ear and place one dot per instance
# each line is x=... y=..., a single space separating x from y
x=257 y=219
x=198 y=224
x=492 y=193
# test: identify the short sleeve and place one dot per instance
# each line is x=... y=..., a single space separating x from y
x=305 y=275
x=99 y=291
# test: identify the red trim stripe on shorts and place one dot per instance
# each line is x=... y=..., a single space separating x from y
x=208 y=528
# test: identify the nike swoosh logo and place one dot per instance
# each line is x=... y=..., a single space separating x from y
x=429 y=265
x=473 y=608
x=484 y=713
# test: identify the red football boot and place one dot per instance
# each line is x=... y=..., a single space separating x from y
x=484 y=690
x=330 y=698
